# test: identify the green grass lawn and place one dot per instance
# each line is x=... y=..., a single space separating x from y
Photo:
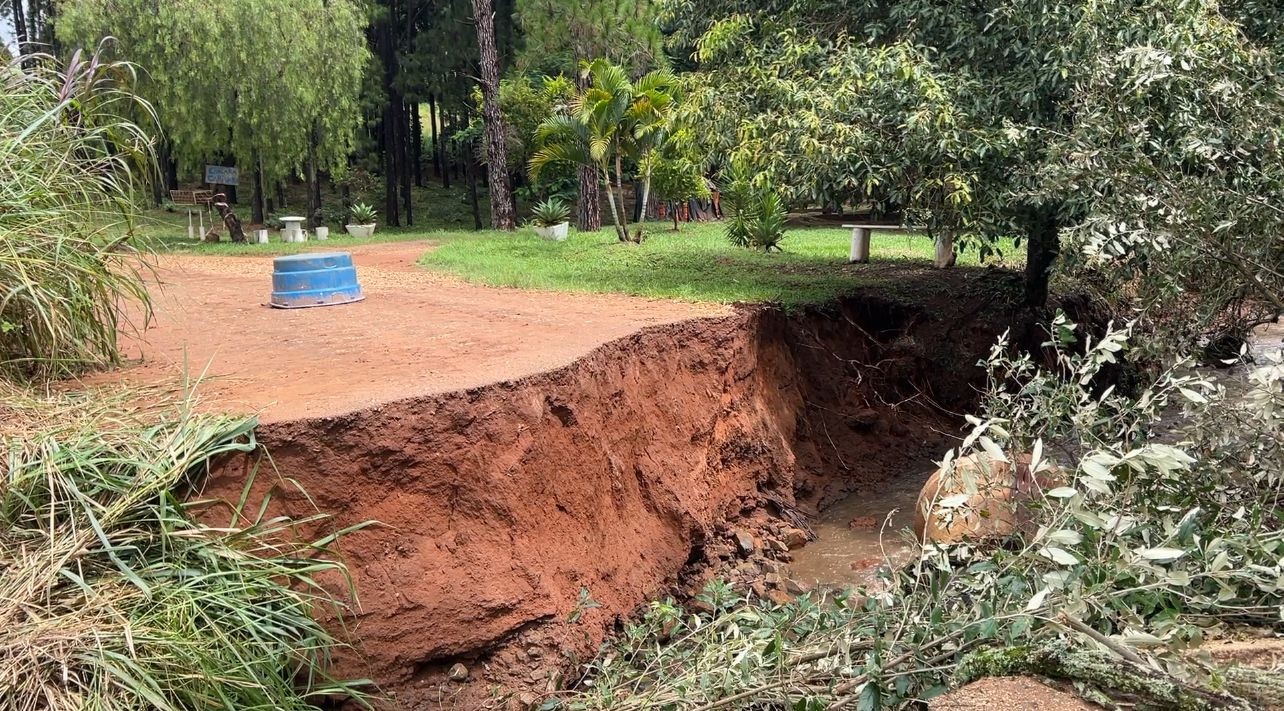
x=696 y=264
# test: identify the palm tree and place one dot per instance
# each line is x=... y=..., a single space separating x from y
x=610 y=120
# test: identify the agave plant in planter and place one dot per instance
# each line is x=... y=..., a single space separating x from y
x=552 y=219
x=363 y=221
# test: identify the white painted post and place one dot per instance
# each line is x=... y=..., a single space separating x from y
x=190 y=236
x=263 y=236
x=860 y=246
x=201 y=217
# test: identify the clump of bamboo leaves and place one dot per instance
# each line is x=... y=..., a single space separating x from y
x=1166 y=533
x=70 y=159
x=117 y=596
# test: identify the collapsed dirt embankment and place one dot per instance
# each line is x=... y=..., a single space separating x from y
x=502 y=506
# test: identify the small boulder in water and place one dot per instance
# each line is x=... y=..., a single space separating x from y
x=998 y=495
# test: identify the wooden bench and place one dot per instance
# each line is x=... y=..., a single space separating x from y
x=192 y=197
x=860 y=240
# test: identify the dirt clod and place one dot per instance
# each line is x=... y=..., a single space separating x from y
x=797 y=587
x=863 y=523
x=795 y=538
x=780 y=597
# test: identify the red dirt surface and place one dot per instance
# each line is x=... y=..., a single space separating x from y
x=416 y=333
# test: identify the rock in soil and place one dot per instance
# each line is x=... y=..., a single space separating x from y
x=797 y=587
x=795 y=538
x=458 y=672
x=780 y=597
x=746 y=543
x=863 y=523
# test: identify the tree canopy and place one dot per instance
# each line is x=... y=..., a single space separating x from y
x=967 y=113
x=253 y=80
x=560 y=34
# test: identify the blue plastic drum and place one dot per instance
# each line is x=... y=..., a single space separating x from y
x=305 y=280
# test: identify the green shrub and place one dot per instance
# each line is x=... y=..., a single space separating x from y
x=363 y=214
x=756 y=214
x=551 y=212
x=68 y=166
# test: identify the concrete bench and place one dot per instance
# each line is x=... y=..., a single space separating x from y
x=860 y=240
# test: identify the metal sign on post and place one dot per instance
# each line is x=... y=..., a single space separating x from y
x=221 y=175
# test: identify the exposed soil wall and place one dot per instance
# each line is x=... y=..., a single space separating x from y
x=501 y=504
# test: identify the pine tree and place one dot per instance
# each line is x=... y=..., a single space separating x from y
x=501 y=203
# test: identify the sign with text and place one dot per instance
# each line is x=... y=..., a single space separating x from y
x=221 y=175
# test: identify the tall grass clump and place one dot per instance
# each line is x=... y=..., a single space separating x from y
x=70 y=159
x=116 y=596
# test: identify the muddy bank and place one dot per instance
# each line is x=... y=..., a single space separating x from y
x=505 y=508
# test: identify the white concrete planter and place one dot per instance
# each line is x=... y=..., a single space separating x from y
x=323 y=233
x=361 y=230
x=556 y=233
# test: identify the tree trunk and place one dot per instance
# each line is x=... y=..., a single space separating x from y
x=314 y=184
x=615 y=214
x=171 y=173
x=417 y=143
x=232 y=196
x=456 y=166
x=501 y=202
x=621 y=227
x=588 y=215
x=407 y=152
x=472 y=194
x=20 y=31
x=646 y=196
x=443 y=141
x=258 y=210
x=1042 y=248
x=436 y=140
x=389 y=134
x=944 y=250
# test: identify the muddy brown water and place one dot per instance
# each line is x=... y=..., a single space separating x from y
x=860 y=534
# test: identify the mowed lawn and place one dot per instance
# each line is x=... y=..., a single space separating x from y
x=696 y=264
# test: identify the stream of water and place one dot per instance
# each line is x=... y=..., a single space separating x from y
x=860 y=533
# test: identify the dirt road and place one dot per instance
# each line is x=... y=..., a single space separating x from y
x=416 y=333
